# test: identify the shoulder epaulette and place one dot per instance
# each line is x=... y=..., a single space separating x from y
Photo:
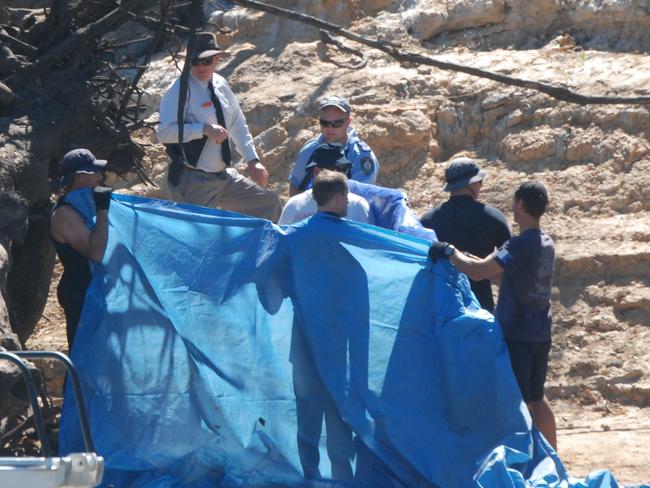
x=364 y=146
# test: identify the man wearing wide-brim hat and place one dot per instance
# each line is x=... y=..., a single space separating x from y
x=468 y=224
x=214 y=123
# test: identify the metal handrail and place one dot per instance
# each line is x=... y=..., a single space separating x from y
x=33 y=399
x=76 y=386
x=16 y=358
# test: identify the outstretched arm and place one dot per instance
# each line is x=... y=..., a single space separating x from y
x=476 y=268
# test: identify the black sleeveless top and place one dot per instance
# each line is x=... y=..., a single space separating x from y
x=76 y=268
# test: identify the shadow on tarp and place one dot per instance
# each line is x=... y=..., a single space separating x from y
x=185 y=348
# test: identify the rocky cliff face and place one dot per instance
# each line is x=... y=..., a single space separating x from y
x=611 y=24
x=594 y=159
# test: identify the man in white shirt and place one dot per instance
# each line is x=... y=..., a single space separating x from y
x=213 y=118
x=303 y=205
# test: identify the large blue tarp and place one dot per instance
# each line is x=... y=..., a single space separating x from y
x=209 y=340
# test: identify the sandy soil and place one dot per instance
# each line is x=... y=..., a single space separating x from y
x=618 y=440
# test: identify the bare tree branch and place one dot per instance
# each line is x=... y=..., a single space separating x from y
x=126 y=97
x=152 y=23
x=18 y=46
x=152 y=49
x=327 y=38
x=117 y=45
x=196 y=9
x=555 y=91
x=82 y=37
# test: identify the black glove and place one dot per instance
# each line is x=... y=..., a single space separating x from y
x=440 y=250
x=102 y=197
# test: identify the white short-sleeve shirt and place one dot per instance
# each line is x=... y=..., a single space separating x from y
x=303 y=205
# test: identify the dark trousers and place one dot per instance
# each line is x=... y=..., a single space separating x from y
x=71 y=301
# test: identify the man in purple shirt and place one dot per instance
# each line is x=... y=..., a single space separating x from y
x=525 y=263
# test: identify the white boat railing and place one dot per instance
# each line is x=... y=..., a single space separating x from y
x=76 y=470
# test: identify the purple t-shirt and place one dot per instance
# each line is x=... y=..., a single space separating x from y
x=524 y=304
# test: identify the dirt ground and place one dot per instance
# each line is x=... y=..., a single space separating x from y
x=613 y=437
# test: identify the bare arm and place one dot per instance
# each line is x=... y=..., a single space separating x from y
x=476 y=268
x=494 y=279
x=69 y=228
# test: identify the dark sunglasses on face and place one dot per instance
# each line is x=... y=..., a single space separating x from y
x=332 y=123
x=203 y=61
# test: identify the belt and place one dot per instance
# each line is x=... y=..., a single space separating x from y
x=220 y=175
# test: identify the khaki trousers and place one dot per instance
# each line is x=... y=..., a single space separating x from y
x=227 y=190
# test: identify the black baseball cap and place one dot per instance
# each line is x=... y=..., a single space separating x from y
x=328 y=156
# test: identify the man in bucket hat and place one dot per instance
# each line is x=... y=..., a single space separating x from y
x=468 y=224
x=335 y=117
x=213 y=120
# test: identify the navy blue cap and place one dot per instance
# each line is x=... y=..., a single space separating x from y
x=329 y=155
x=79 y=161
x=461 y=172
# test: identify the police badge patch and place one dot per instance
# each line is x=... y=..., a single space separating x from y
x=367 y=165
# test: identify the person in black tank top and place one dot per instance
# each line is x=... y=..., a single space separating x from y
x=75 y=242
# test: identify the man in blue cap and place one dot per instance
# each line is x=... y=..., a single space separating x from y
x=471 y=226
x=77 y=240
x=335 y=117
x=303 y=205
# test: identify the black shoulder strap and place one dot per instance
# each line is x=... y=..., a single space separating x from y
x=197 y=10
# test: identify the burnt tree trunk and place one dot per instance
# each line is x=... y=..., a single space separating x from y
x=68 y=78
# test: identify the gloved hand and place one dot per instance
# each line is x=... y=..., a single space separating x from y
x=102 y=197
x=440 y=250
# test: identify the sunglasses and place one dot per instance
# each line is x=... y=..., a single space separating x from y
x=332 y=123
x=203 y=61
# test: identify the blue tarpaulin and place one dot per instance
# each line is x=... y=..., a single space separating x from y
x=221 y=350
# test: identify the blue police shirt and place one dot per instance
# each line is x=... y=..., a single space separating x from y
x=365 y=166
x=524 y=304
